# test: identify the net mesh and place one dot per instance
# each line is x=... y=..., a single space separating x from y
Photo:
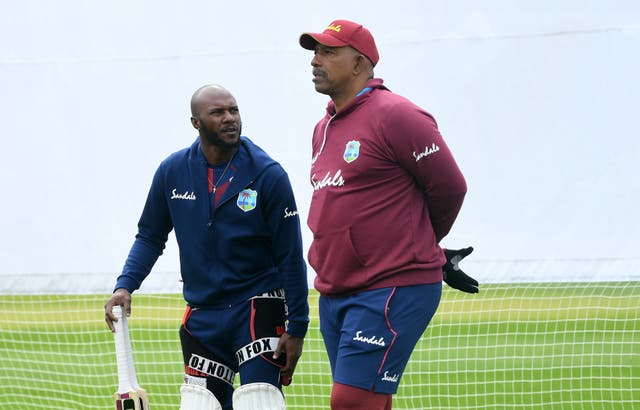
x=513 y=346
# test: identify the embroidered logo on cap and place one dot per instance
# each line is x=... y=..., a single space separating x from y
x=247 y=200
x=352 y=151
x=335 y=28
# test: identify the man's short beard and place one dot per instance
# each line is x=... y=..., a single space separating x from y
x=212 y=138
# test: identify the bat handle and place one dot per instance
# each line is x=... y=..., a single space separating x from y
x=125 y=383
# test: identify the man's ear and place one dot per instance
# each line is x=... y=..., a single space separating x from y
x=195 y=123
x=362 y=65
x=359 y=64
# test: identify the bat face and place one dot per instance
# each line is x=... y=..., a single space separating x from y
x=127 y=401
x=131 y=401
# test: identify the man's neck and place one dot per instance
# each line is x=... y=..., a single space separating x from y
x=342 y=99
x=215 y=154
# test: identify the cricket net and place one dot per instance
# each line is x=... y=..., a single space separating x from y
x=513 y=346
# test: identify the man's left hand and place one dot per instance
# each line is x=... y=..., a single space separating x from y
x=291 y=346
x=453 y=275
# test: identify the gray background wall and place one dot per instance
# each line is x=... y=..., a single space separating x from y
x=537 y=99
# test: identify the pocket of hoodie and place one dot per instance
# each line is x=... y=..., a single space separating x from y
x=335 y=251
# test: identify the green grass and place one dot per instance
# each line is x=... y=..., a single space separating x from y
x=525 y=346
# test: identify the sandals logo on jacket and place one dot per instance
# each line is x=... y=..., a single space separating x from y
x=247 y=200
x=190 y=196
x=352 y=151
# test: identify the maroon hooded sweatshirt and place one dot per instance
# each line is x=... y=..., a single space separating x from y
x=386 y=191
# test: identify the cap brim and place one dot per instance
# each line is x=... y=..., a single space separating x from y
x=309 y=40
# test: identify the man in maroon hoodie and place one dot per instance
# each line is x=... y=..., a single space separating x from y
x=386 y=191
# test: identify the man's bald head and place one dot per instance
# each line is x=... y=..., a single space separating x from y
x=205 y=94
x=215 y=114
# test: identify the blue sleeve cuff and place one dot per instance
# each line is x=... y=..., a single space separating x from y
x=297 y=329
x=126 y=283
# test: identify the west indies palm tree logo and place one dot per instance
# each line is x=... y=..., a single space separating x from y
x=352 y=151
x=247 y=200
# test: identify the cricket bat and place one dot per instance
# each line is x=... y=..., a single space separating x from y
x=129 y=396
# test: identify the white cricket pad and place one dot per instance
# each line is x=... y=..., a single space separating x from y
x=194 y=397
x=258 y=396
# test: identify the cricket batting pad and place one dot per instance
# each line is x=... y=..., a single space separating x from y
x=193 y=397
x=258 y=396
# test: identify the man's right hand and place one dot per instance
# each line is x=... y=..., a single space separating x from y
x=120 y=297
x=453 y=275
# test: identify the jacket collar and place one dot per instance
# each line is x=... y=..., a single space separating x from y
x=250 y=160
x=373 y=84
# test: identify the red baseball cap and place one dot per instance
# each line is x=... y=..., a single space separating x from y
x=342 y=33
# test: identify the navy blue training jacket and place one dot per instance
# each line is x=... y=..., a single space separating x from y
x=247 y=245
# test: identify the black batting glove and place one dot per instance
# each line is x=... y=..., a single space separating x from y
x=453 y=275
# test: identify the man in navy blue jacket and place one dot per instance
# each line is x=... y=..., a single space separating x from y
x=244 y=277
